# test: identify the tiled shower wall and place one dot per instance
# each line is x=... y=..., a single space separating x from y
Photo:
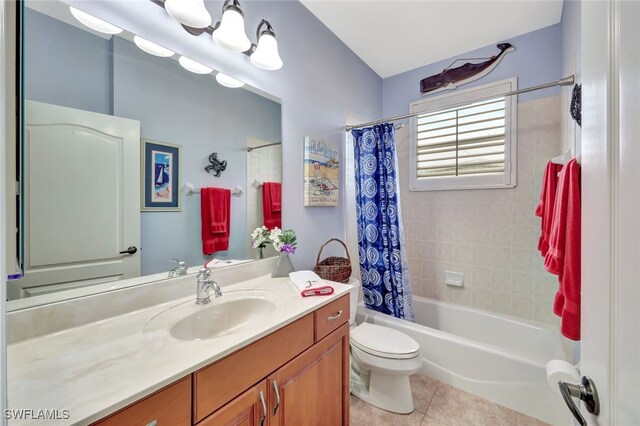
x=490 y=235
x=263 y=165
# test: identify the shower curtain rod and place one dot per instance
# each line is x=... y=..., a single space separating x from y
x=251 y=148
x=567 y=81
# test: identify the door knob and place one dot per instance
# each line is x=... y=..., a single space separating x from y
x=130 y=250
x=586 y=392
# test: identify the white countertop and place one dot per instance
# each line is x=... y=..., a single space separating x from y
x=96 y=369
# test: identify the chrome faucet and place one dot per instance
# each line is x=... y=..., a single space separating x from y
x=205 y=283
x=179 y=269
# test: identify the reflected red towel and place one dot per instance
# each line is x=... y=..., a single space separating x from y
x=272 y=204
x=563 y=257
x=215 y=210
x=546 y=205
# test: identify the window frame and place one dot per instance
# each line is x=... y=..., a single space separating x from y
x=508 y=179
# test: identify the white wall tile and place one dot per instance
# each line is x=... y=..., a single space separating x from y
x=490 y=235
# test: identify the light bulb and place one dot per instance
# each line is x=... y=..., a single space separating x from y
x=94 y=23
x=152 y=48
x=230 y=33
x=266 y=55
x=228 y=81
x=191 y=13
x=193 y=66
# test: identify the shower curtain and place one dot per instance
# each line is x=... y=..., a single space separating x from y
x=383 y=260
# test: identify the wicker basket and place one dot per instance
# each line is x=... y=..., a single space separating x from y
x=334 y=268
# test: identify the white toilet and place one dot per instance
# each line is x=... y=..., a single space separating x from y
x=382 y=359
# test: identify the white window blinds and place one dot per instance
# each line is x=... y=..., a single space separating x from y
x=467 y=140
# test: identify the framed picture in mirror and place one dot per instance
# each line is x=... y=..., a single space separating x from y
x=161 y=176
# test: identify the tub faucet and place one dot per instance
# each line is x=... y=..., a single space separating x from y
x=179 y=269
x=205 y=283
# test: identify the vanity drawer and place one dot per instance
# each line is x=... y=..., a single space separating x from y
x=222 y=381
x=170 y=406
x=331 y=316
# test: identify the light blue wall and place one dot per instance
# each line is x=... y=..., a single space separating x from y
x=536 y=60
x=172 y=106
x=321 y=82
x=51 y=47
x=571 y=36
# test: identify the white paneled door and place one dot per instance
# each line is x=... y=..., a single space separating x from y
x=610 y=347
x=81 y=201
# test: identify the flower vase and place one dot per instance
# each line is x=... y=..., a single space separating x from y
x=259 y=253
x=283 y=267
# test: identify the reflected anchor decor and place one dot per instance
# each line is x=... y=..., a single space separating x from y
x=217 y=166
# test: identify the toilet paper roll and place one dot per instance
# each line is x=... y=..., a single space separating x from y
x=557 y=370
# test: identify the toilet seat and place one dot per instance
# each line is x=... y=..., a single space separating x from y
x=384 y=342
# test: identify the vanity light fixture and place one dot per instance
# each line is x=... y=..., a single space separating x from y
x=228 y=81
x=94 y=23
x=191 y=13
x=265 y=55
x=229 y=32
x=193 y=66
x=152 y=48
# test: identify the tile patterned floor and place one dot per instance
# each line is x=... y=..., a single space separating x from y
x=438 y=404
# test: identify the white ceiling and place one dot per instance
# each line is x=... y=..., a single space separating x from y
x=397 y=36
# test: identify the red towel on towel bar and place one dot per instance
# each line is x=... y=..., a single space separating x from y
x=272 y=204
x=547 y=203
x=215 y=209
x=563 y=257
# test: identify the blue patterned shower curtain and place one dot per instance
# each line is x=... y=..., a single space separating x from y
x=383 y=260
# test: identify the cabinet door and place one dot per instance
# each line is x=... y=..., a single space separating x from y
x=248 y=409
x=313 y=388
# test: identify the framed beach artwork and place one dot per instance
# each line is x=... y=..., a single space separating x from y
x=321 y=173
x=161 y=176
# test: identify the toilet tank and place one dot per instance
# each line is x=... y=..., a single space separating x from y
x=353 y=296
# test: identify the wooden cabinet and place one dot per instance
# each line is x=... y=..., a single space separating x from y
x=313 y=388
x=297 y=375
x=170 y=406
x=220 y=382
x=248 y=409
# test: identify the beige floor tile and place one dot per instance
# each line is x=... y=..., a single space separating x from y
x=522 y=420
x=363 y=414
x=454 y=407
x=423 y=388
x=430 y=421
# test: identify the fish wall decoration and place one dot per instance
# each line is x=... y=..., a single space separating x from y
x=451 y=78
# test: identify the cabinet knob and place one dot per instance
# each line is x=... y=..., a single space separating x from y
x=275 y=388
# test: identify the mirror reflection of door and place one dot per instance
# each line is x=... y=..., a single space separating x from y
x=81 y=179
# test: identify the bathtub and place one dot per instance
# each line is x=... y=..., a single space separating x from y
x=495 y=357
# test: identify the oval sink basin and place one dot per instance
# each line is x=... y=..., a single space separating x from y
x=232 y=313
x=222 y=319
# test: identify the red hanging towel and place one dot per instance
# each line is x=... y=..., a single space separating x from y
x=563 y=257
x=215 y=209
x=272 y=204
x=546 y=205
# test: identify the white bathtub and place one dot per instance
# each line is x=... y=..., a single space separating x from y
x=495 y=357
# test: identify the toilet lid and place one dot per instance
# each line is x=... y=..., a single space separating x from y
x=384 y=341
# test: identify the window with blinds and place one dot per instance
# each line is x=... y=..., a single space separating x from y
x=467 y=145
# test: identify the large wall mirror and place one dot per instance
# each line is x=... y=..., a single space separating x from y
x=101 y=116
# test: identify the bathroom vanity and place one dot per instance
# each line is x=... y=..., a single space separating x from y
x=290 y=377
x=286 y=365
